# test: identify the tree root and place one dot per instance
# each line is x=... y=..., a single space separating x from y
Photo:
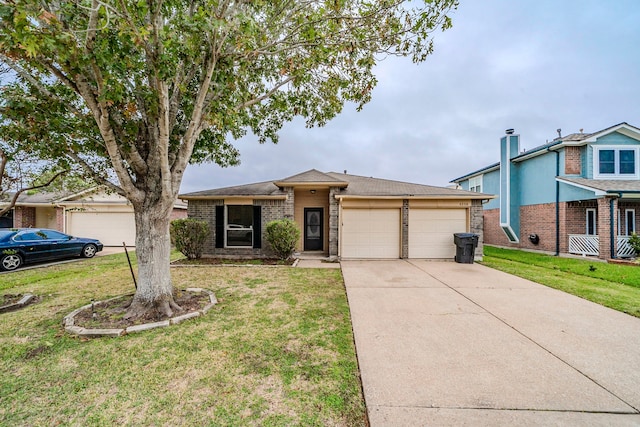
x=160 y=309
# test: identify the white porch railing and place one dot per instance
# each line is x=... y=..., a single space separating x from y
x=624 y=248
x=583 y=244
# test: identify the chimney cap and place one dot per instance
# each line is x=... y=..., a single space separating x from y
x=509 y=131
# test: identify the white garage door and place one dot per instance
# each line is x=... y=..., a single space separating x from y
x=111 y=228
x=431 y=232
x=370 y=233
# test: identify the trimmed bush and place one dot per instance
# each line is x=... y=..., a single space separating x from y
x=283 y=234
x=634 y=241
x=189 y=236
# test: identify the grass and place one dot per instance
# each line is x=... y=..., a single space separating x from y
x=276 y=351
x=612 y=285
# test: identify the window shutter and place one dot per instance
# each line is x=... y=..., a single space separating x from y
x=220 y=226
x=257 y=227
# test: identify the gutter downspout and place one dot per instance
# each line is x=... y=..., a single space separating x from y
x=557 y=201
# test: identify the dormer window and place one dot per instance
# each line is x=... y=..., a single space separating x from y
x=615 y=162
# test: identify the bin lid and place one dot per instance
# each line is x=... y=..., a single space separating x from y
x=465 y=235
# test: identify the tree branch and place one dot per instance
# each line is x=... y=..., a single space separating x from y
x=17 y=194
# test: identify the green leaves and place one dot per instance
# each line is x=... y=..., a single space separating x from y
x=107 y=83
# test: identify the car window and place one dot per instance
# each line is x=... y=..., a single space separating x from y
x=29 y=236
x=52 y=234
x=5 y=234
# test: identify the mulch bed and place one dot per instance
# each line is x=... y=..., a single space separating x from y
x=109 y=314
x=9 y=302
x=233 y=261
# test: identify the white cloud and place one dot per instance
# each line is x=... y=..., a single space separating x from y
x=530 y=65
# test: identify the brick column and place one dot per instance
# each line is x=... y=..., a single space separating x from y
x=60 y=219
x=476 y=226
x=605 y=222
x=405 y=229
x=334 y=222
x=289 y=204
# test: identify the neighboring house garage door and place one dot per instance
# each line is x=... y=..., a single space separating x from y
x=370 y=233
x=111 y=228
x=431 y=232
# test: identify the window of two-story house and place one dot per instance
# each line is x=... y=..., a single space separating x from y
x=591 y=222
x=615 y=162
x=630 y=221
x=475 y=184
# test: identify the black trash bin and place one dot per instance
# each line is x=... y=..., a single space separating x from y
x=466 y=244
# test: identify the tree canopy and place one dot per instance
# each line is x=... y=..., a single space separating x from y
x=142 y=88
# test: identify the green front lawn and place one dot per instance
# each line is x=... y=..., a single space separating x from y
x=277 y=350
x=612 y=285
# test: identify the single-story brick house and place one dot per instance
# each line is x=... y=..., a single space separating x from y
x=93 y=212
x=340 y=215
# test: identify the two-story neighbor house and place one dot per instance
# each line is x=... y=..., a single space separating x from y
x=340 y=215
x=577 y=194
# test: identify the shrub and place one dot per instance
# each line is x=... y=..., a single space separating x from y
x=634 y=241
x=189 y=235
x=283 y=234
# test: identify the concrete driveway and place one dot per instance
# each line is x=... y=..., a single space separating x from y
x=441 y=343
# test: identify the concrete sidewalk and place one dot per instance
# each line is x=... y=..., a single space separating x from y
x=441 y=343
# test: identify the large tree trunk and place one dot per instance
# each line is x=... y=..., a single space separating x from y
x=154 y=295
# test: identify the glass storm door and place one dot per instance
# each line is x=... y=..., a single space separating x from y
x=313 y=229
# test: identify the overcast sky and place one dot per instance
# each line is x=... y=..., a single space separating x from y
x=532 y=65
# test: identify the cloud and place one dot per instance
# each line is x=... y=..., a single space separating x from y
x=535 y=66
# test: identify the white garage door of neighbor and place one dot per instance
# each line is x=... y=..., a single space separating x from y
x=370 y=233
x=111 y=228
x=431 y=232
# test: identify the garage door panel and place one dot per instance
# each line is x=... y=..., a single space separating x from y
x=111 y=228
x=431 y=232
x=370 y=233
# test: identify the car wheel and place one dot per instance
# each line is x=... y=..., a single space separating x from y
x=89 y=251
x=11 y=262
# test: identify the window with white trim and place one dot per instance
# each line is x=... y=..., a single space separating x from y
x=615 y=162
x=630 y=221
x=475 y=184
x=239 y=226
x=591 y=222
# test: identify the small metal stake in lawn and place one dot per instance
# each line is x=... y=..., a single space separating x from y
x=130 y=267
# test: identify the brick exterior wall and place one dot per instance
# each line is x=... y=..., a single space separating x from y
x=24 y=217
x=205 y=210
x=572 y=161
x=271 y=210
x=178 y=214
x=540 y=219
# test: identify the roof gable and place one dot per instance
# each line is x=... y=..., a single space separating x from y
x=574 y=139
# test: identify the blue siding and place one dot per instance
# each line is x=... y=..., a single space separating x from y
x=491 y=185
x=611 y=139
x=570 y=193
x=538 y=179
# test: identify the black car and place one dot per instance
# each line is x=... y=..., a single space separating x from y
x=28 y=245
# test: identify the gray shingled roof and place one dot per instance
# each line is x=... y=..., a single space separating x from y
x=607 y=185
x=357 y=186
x=311 y=176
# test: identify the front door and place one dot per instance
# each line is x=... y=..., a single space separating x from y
x=313 y=235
